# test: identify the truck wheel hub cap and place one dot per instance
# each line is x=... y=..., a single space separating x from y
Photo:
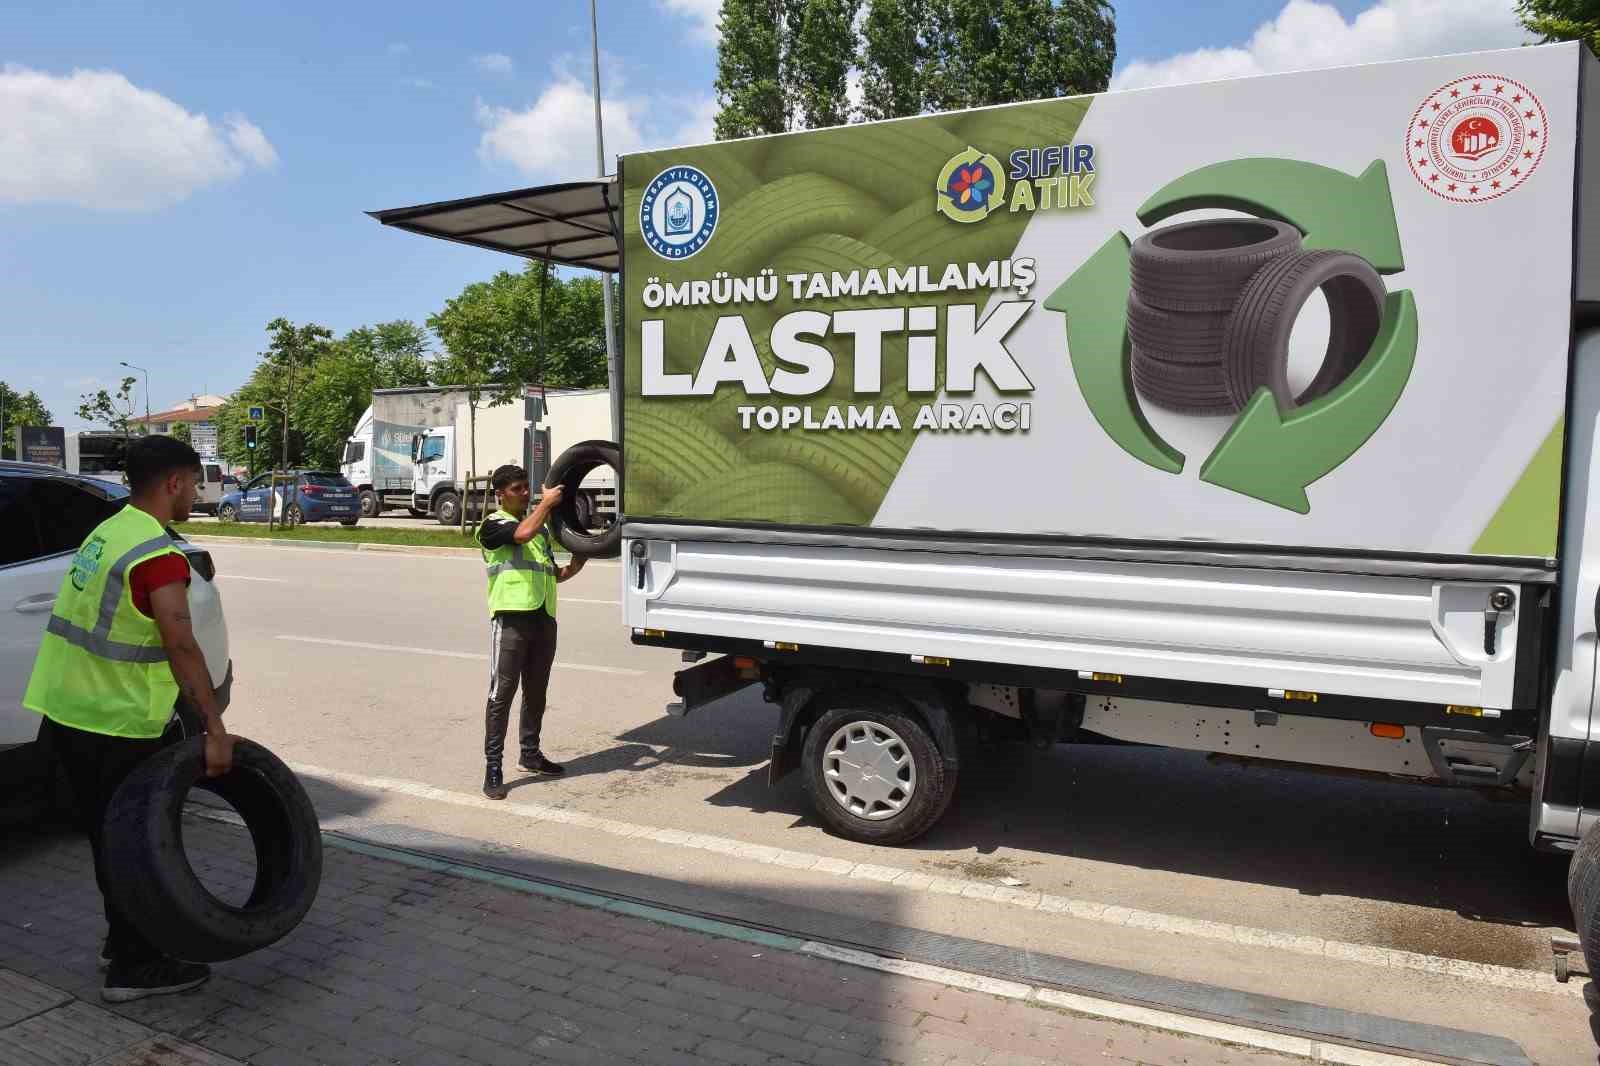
x=869 y=770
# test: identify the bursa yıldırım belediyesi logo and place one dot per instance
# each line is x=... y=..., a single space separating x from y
x=678 y=213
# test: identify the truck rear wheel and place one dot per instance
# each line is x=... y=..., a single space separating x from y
x=448 y=509
x=1583 y=892
x=874 y=772
x=371 y=506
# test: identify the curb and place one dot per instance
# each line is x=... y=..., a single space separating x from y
x=337 y=545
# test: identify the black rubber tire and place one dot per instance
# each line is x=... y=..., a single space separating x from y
x=293 y=516
x=1190 y=388
x=1176 y=336
x=227 y=513
x=151 y=879
x=371 y=506
x=447 y=509
x=568 y=471
x=1201 y=266
x=1583 y=893
x=1256 y=349
x=936 y=783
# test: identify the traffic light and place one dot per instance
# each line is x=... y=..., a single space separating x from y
x=250 y=437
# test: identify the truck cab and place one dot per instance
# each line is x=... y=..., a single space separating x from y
x=433 y=479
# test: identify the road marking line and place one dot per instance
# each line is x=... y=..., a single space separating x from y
x=245 y=577
x=914 y=881
x=1108 y=1009
x=604 y=603
x=441 y=653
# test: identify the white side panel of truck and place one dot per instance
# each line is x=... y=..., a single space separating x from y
x=1400 y=638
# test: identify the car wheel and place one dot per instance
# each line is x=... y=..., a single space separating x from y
x=293 y=516
x=152 y=881
x=873 y=772
x=448 y=509
x=371 y=506
x=227 y=513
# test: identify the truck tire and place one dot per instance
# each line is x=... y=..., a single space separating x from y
x=371 y=506
x=1176 y=336
x=1191 y=388
x=1201 y=266
x=1256 y=349
x=447 y=509
x=568 y=471
x=151 y=879
x=891 y=799
x=1583 y=893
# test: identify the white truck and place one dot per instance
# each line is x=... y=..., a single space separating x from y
x=1255 y=417
x=378 y=454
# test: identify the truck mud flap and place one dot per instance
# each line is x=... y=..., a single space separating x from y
x=707 y=682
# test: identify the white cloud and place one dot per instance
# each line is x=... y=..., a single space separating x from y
x=702 y=13
x=1306 y=35
x=493 y=63
x=94 y=138
x=554 y=137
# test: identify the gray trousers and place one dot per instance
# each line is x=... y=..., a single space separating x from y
x=521 y=649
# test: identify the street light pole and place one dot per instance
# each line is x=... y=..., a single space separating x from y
x=613 y=364
x=146 y=374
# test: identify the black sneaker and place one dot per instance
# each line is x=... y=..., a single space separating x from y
x=494 y=785
x=538 y=764
x=161 y=977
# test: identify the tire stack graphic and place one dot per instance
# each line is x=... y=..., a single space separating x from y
x=1213 y=304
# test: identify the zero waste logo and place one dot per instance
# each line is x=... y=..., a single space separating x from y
x=678 y=213
x=971 y=186
x=1197 y=318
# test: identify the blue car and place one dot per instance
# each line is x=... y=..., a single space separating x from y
x=301 y=496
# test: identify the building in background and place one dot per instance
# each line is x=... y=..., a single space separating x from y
x=199 y=413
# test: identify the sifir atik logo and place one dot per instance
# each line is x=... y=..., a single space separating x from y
x=974 y=185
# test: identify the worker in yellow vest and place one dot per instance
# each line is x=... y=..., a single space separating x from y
x=523 y=575
x=118 y=651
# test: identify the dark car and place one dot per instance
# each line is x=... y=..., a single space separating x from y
x=299 y=496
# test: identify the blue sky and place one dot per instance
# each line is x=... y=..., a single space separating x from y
x=176 y=175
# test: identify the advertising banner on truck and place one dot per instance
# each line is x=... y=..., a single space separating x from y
x=1324 y=310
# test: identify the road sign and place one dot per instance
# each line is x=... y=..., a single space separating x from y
x=257 y=414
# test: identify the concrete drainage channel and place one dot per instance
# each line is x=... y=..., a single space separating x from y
x=1266 y=1023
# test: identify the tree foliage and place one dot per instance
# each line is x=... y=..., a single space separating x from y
x=821 y=51
x=1563 y=20
x=114 y=410
x=183 y=431
x=751 y=92
x=18 y=409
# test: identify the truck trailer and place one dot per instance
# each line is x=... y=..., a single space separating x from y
x=1255 y=417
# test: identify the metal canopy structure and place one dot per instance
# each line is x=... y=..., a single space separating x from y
x=573 y=224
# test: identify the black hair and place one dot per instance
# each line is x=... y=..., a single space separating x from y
x=506 y=475
x=153 y=458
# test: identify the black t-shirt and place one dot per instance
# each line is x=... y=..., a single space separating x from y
x=498 y=533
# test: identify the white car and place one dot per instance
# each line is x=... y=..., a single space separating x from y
x=45 y=514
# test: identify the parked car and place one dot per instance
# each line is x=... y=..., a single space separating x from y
x=45 y=514
x=311 y=495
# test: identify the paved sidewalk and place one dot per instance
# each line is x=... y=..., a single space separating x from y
x=397 y=964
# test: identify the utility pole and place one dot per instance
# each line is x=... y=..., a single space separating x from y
x=613 y=362
x=272 y=495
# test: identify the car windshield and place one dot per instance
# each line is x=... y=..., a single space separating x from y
x=332 y=481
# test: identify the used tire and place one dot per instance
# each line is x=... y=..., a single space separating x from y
x=371 y=506
x=151 y=878
x=573 y=530
x=1201 y=266
x=1190 y=388
x=447 y=509
x=874 y=772
x=1176 y=336
x=1256 y=349
x=1583 y=893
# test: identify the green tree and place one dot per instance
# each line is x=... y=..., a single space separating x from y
x=821 y=52
x=1562 y=20
x=18 y=409
x=892 y=58
x=975 y=55
x=183 y=431
x=294 y=350
x=752 y=96
x=386 y=356
x=113 y=409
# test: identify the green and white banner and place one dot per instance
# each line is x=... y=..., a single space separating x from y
x=1322 y=310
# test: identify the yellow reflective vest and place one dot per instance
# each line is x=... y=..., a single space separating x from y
x=101 y=667
x=522 y=577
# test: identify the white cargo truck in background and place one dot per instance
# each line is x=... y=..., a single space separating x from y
x=1255 y=417
x=411 y=449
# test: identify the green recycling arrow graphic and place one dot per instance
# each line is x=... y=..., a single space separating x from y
x=1330 y=207
x=1273 y=457
x=1095 y=300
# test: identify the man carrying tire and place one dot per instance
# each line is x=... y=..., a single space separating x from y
x=118 y=652
x=522 y=606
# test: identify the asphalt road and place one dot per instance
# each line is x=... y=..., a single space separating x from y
x=372 y=668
